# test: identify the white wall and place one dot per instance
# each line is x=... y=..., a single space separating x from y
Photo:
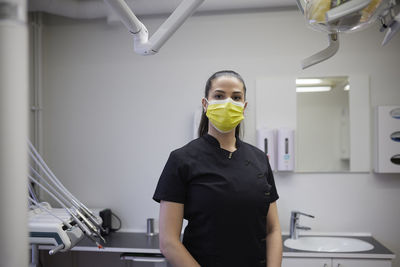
x=111 y=117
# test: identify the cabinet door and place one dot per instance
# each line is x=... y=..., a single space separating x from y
x=306 y=262
x=361 y=263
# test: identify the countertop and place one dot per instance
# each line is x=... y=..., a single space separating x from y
x=126 y=242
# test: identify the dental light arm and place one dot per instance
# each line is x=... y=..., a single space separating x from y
x=328 y=52
x=121 y=8
x=142 y=44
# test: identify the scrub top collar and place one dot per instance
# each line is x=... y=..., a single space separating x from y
x=212 y=140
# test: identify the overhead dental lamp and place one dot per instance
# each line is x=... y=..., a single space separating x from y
x=142 y=44
x=335 y=16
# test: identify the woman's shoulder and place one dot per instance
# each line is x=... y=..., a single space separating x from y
x=191 y=148
x=251 y=149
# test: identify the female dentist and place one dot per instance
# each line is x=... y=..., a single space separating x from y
x=223 y=186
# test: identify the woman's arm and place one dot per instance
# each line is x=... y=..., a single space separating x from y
x=274 y=237
x=170 y=225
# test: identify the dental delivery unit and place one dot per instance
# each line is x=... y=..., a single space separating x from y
x=61 y=227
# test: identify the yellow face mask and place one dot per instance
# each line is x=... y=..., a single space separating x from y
x=225 y=114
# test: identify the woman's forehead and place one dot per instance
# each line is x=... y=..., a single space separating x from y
x=227 y=82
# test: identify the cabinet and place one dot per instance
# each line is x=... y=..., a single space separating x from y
x=361 y=263
x=335 y=262
x=306 y=262
x=91 y=259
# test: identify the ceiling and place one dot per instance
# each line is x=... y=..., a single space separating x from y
x=151 y=7
x=97 y=8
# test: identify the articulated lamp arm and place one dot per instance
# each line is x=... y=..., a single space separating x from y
x=328 y=52
x=142 y=44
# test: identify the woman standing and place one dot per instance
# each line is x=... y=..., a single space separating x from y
x=223 y=186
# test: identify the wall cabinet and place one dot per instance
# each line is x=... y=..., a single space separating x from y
x=329 y=262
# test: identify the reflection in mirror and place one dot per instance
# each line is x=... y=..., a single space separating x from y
x=323 y=130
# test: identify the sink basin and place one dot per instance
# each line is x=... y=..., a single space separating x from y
x=328 y=244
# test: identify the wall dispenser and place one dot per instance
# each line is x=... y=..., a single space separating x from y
x=266 y=141
x=387 y=139
x=285 y=145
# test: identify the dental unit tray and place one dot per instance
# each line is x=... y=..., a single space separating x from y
x=61 y=227
x=45 y=229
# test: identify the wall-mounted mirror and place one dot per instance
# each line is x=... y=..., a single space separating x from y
x=332 y=124
x=325 y=134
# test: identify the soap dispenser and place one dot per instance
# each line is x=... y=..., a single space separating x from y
x=285 y=142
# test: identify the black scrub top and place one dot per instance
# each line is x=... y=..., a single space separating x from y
x=226 y=197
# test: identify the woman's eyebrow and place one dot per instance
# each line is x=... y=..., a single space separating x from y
x=219 y=91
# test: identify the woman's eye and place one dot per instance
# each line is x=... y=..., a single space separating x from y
x=218 y=96
x=237 y=98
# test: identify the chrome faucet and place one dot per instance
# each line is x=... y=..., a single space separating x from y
x=294 y=224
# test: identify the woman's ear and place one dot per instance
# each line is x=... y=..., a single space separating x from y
x=204 y=104
x=245 y=105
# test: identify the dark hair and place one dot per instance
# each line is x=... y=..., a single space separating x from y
x=203 y=127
